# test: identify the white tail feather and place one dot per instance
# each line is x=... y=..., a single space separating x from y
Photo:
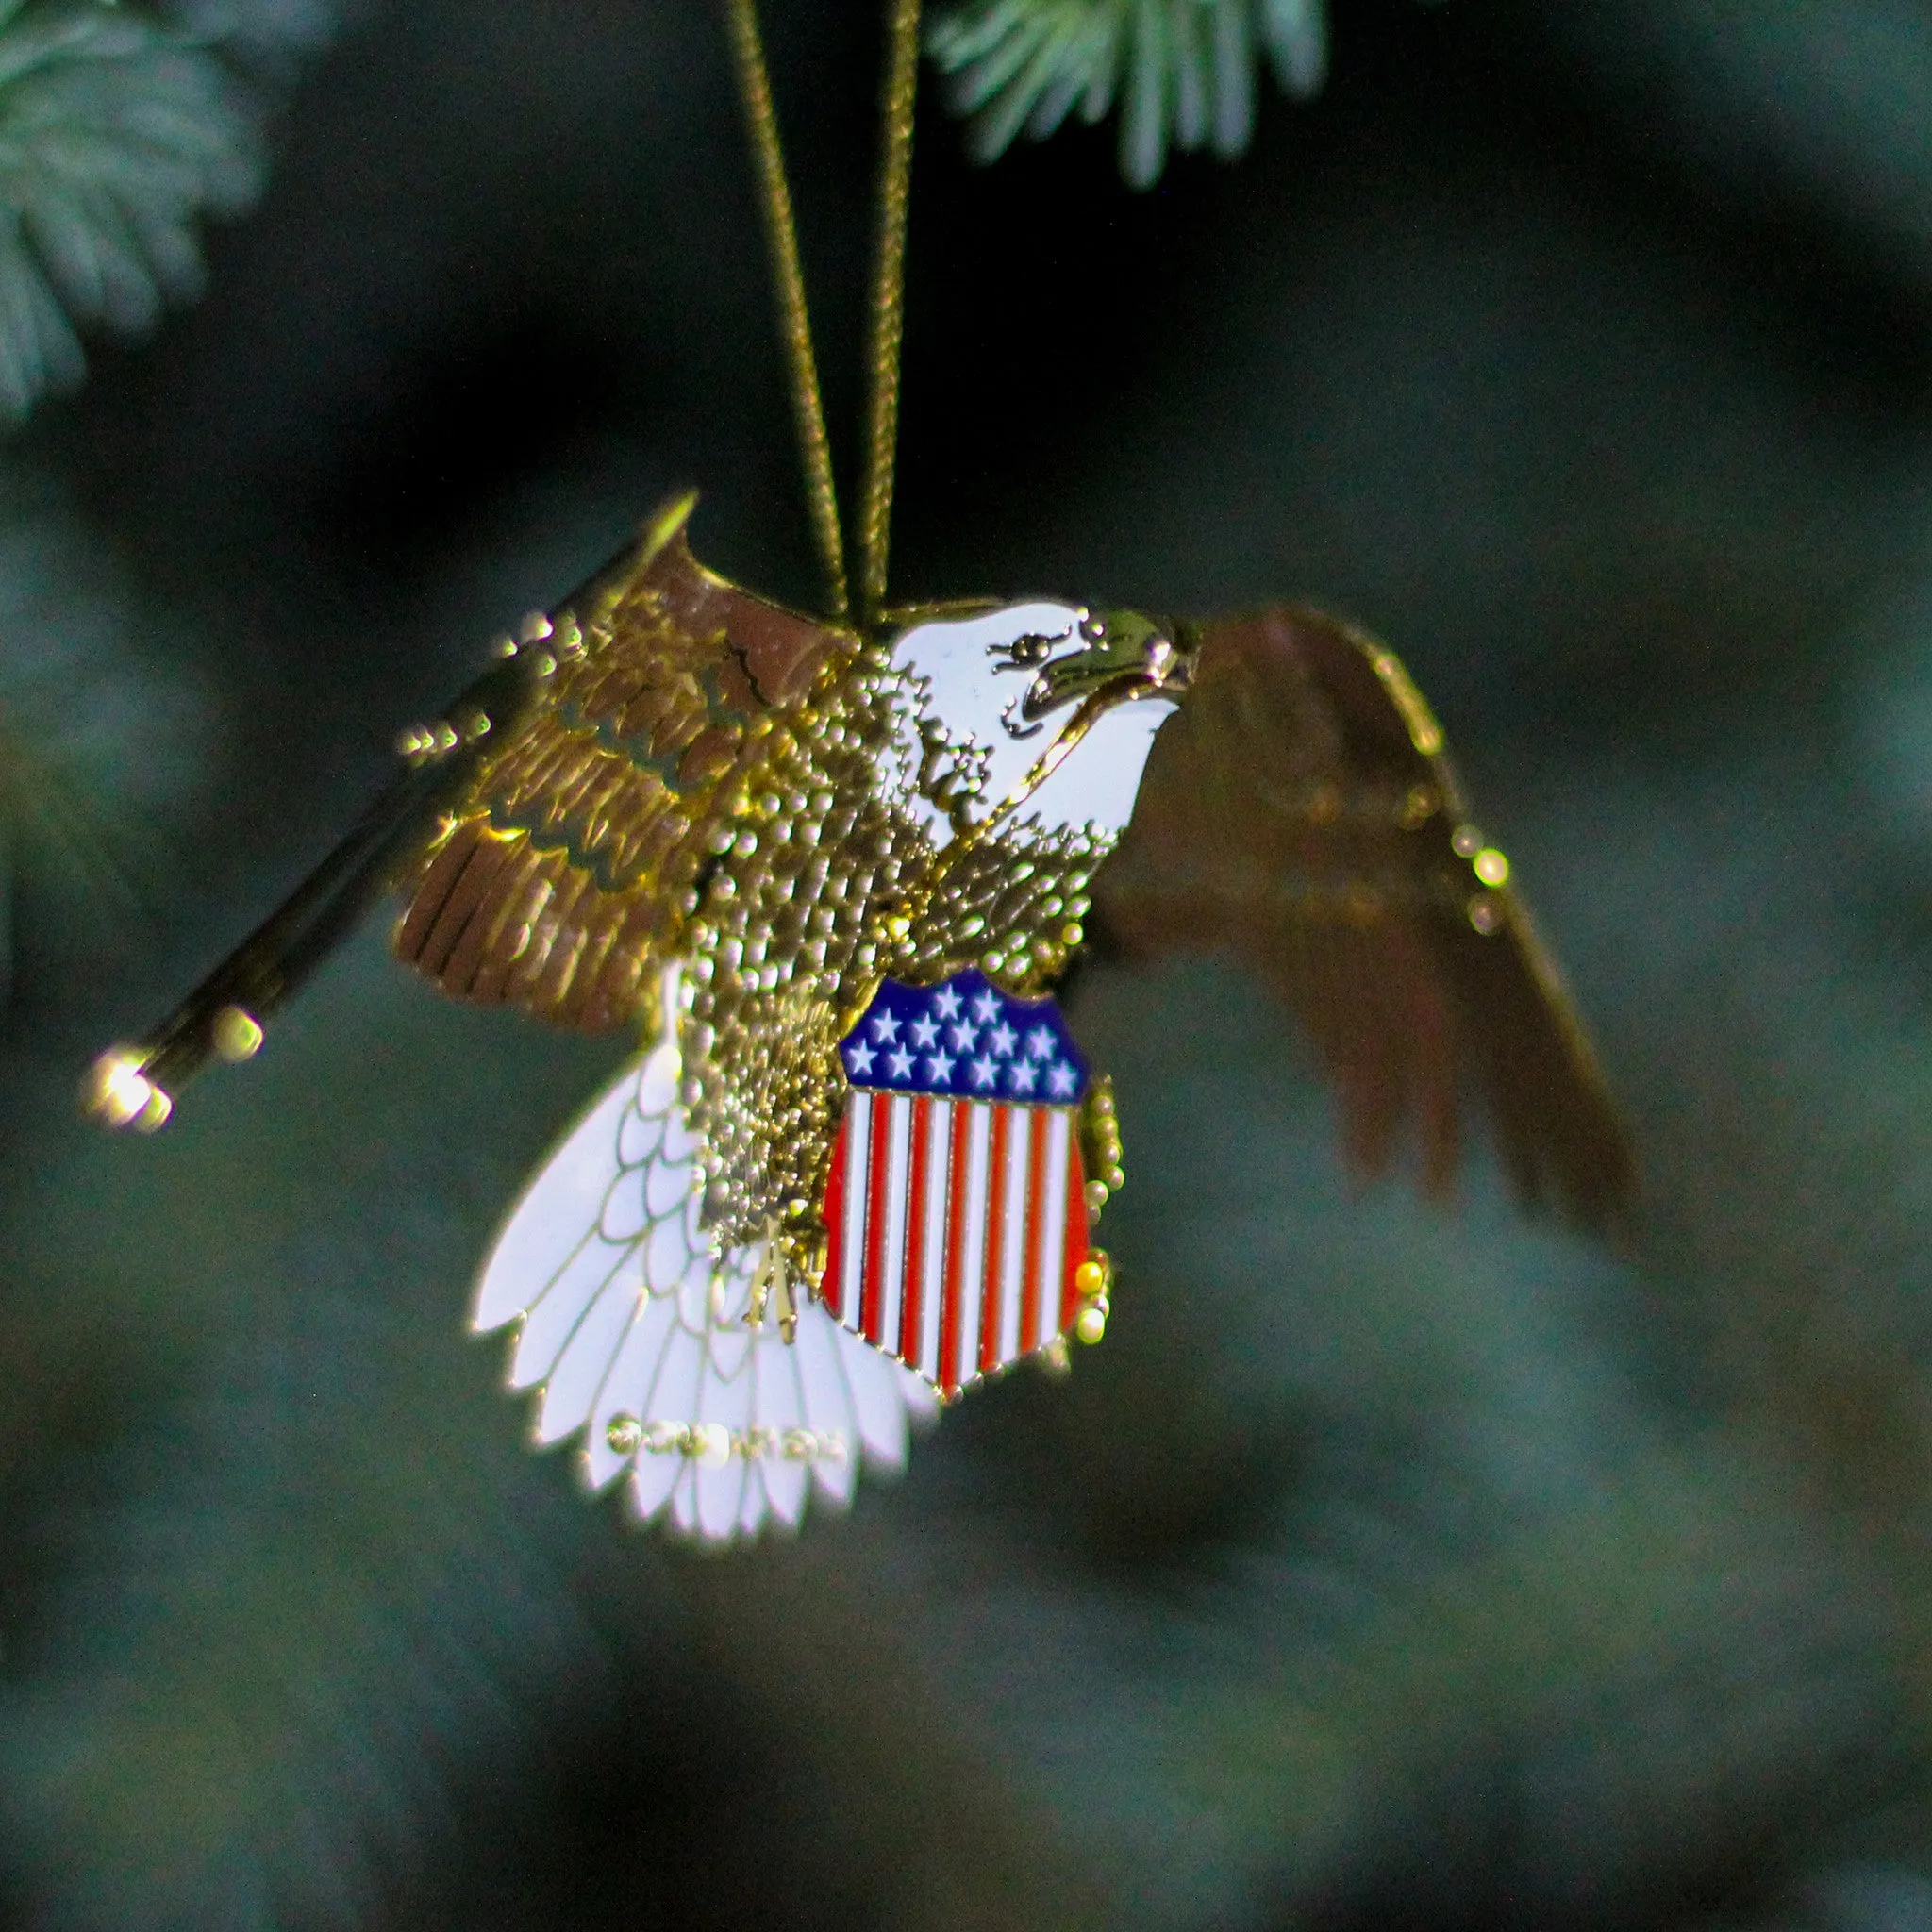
x=635 y=1330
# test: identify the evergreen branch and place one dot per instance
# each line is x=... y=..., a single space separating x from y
x=1183 y=71
x=115 y=136
x=265 y=37
x=102 y=740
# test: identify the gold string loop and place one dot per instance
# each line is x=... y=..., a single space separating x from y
x=794 y=325
x=888 y=302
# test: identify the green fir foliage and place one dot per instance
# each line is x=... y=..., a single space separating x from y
x=272 y=28
x=116 y=136
x=1181 y=72
x=100 y=730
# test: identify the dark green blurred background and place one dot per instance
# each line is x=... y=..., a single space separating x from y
x=1385 y=1566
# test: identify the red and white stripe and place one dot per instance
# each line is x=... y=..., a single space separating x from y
x=955 y=1227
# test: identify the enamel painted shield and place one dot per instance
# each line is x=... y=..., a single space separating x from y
x=956 y=1206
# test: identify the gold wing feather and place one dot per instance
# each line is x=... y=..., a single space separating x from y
x=574 y=858
x=1299 y=809
x=552 y=829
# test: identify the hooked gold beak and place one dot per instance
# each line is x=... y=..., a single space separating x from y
x=1121 y=656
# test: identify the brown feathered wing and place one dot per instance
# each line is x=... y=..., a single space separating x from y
x=573 y=859
x=1299 y=810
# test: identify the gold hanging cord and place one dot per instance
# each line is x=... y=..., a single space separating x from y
x=888 y=302
x=781 y=236
x=898 y=95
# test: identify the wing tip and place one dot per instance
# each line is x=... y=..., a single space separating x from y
x=1588 y=1148
x=664 y=525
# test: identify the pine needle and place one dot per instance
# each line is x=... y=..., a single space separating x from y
x=1182 y=70
x=116 y=137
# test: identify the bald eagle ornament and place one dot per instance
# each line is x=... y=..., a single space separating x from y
x=832 y=877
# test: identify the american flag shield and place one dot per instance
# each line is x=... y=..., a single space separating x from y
x=956 y=1209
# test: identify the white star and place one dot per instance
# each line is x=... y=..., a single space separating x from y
x=884 y=1028
x=1060 y=1081
x=938 y=1069
x=983 y=1075
x=960 y=1038
x=1002 y=1040
x=986 y=1008
x=1039 y=1043
x=924 y=1030
x=859 y=1056
x=1020 y=1076
x=947 y=1001
x=902 y=1063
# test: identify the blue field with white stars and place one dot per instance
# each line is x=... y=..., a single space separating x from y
x=964 y=1039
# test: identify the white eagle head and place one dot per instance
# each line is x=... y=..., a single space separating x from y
x=1038 y=713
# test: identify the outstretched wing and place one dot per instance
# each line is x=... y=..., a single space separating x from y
x=636 y=1333
x=572 y=859
x=1299 y=810
x=551 y=828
